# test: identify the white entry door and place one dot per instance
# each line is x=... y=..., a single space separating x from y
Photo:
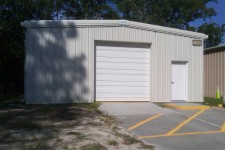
x=122 y=73
x=179 y=81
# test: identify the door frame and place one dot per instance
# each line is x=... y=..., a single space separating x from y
x=185 y=63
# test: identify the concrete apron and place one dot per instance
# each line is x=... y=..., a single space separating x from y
x=131 y=108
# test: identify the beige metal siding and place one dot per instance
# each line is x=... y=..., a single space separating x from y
x=168 y=48
x=214 y=72
x=60 y=62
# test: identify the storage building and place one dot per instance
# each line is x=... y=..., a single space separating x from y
x=111 y=60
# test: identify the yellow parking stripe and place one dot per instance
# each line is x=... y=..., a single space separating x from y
x=179 y=134
x=142 y=122
x=185 y=122
x=223 y=128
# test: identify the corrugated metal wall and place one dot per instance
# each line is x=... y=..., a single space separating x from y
x=168 y=48
x=214 y=72
x=60 y=62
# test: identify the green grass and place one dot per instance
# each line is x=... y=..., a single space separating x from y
x=89 y=106
x=128 y=140
x=95 y=146
x=212 y=101
x=10 y=99
x=39 y=144
x=78 y=135
x=149 y=147
x=27 y=123
x=112 y=142
x=48 y=119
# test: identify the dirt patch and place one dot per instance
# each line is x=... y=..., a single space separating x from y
x=77 y=126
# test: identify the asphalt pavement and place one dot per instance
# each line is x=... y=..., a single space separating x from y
x=171 y=128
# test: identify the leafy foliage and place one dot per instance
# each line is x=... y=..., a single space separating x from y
x=12 y=13
x=88 y=9
x=215 y=33
x=171 y=13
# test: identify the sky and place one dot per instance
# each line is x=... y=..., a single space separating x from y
x=219 y=18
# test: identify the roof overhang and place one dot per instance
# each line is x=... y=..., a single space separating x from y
x=219 y=47
x=112 y=23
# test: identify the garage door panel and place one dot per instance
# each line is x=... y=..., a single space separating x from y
x=121 y=89
x=122 y=95
x=121 y=54
x=122 y=99
x=110 y=77
x=122 y=74
x=123 y=60
x=122 y=71
x=110 y=65
x=121 y=83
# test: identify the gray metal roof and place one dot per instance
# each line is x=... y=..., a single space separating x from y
x=126 y=23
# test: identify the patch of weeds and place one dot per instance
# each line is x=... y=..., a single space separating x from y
x=128 y=140
x=94 y=106
x=48 y=124
x=212 y=101
x=5 y=118
x=46 y=109
x=112 y=142
x=108 y=119
x=8 y=138
x=58 y=140
x=90 y=106
x=161 y=105
x=95 y=146
x=27 y=124
x=144 y=146
x=40 y=144
x=93 y=123
x=10 y=99
x=115 y=128
x=78 y=135
x=64 y=125
x=5 y=146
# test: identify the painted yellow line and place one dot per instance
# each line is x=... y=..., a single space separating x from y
x=179 y=134
x=187 y=107
x=223 y=128
x=144 y=121
x=185 y=122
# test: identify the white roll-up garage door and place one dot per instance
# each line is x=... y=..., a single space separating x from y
x=122 y=73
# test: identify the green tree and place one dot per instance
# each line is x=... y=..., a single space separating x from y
x=88 y=9
x=215 y=33
x=171 y=13
x=12 y=13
